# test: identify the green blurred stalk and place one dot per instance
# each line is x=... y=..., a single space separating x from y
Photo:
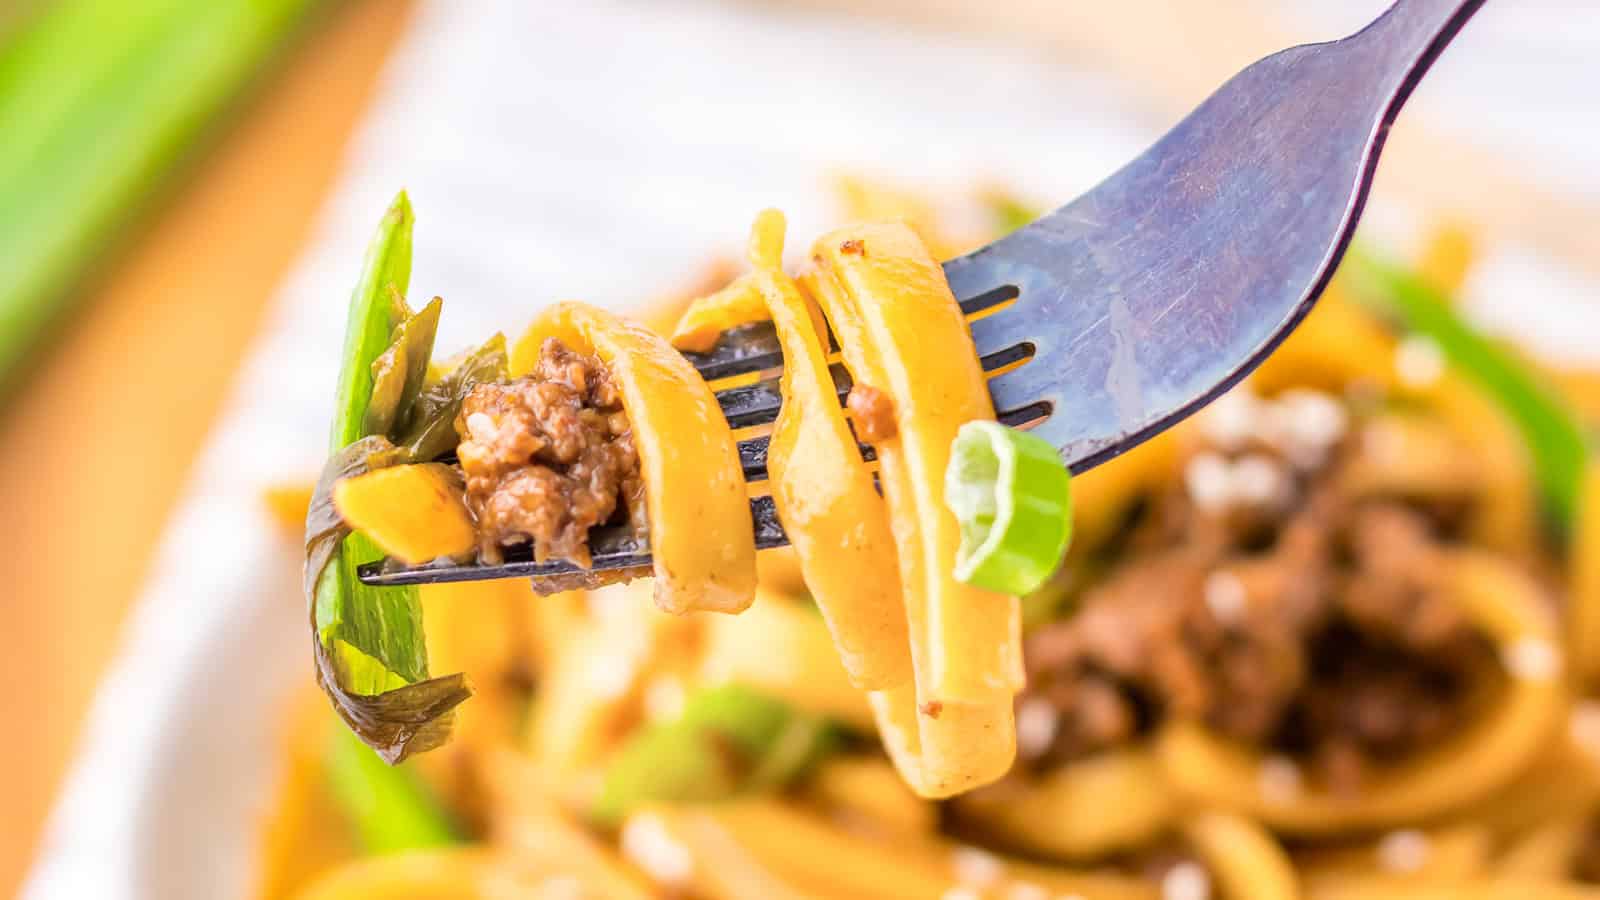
x=1553 y=432
x=388 y=807
x=99 y=99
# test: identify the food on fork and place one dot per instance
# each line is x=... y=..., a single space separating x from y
x=597 y=422
x=1317 y=641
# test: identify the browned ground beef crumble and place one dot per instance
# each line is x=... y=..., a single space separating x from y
x=873 y=412
x=549 y=456
x=1310 y=619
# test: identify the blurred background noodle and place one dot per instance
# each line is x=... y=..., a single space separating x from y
x=166 y=287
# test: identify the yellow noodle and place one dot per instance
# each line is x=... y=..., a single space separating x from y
x=1413 y=457
x=824 y=491
x=302 y=834
x=1583 y=568
x=797 y=854
x=1562 y=781
x=737 y=303
x=1546 y=852
x=901 y=332
x=701 y=533
x=783 y=648
x=589 y=690
x=1102 y=496
x=1506 y=516
x=531 y=827
x=468 y=873
x=1338 y=345
x=1446 y=854
x=1509 y=609
x=944 y=749
x=1243 y=859
x=1115 y=800
x=1378 y=888
x=867 y=790
x=1448 y=254
x=1579 y=386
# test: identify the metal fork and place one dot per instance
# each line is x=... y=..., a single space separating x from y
x=1142 y=300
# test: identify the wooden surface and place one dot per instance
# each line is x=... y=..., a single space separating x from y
x=105 y=430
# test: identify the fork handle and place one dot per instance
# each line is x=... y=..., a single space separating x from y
x=1411 y=34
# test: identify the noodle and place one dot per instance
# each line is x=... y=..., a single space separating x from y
x=824 y=492
x=1583 y=617
x=1113 y=801
x=1492 y=751
x=901 y=332
x=700 y=529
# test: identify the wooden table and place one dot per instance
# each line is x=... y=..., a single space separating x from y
x=113 y=413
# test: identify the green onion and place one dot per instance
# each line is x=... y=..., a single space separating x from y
x=369 y=647
x=99 y=100
x=728 y=740
x=1013 y=497
x=1553 y=433
x=389 y=808
x=1009 y=212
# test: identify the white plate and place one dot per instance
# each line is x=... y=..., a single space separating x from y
x=597 y=150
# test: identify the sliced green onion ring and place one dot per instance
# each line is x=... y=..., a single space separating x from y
x=1013 y=497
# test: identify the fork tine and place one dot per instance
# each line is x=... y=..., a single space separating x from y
x=755 y=347
x=616 y=556
x=753 y=456
x=758 y=404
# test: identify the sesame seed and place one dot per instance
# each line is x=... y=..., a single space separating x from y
x=1037 y=723
x=1532 y=659
x=975 y=867
x=1232 y=419
x=1259 y=480
x=1225 y=596
x=1418 y=361
x=1312 y=418
x=1280 y=779
x=645 y=840
x=1207 y=479
x=1186 y=881
x=1406 y=850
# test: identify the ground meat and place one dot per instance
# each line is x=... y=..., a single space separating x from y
x=873 y=412
x=1291 y=614
x=548 y=457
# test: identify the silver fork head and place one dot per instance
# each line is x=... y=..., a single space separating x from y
x=1147 y=296
x=1165 y=285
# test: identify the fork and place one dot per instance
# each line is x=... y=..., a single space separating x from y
x=1142 y=300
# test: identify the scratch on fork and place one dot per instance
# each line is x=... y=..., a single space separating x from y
x=1122 y=378
x=1084 y=334
x=1171 y=305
